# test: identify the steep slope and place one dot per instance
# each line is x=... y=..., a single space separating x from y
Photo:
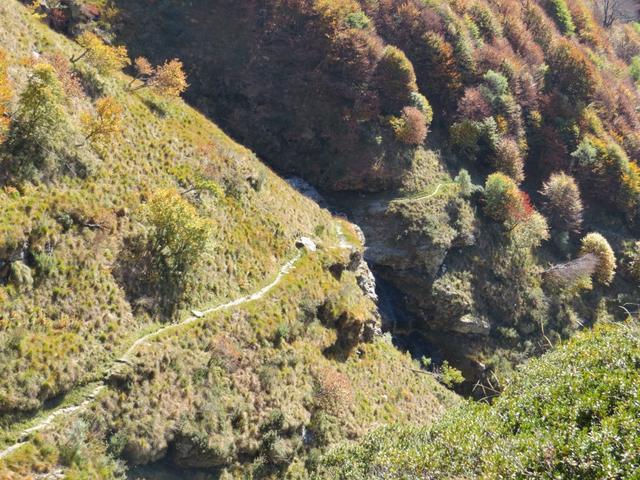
x=573 y=413
x=78 y=287
x=527 y=90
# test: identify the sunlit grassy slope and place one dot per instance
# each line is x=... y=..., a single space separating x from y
x=218 y=380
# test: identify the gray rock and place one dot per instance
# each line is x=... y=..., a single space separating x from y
x=471 y=325
x=306 y=243
x=366 y=281
x=306 y=189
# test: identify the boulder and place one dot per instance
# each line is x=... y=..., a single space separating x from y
x=306 y=243
x=471 y=325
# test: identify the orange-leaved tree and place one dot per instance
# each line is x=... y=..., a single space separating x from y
x=166 y=79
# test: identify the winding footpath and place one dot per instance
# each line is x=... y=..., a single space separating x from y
x=422 y=196
x=23 y=437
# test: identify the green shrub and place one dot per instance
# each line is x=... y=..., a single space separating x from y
x=37 y=134
x=282 y=334
x=465 y=184
x=475 y=139
x=530 y=230
x=395 y=79
x=450 y=376
x=463 y=219
x=631 y=260
x=92 y=82
x=586 y=155
x=495 y=84
x=634 y=68
x=420 y=102
x=463 y=50
x=572 y=413
x=597 y=245
x=21 y=275
x=485 y=21
x=358 y=20
x=46 y=265
x=559 y=11
x=72 y=445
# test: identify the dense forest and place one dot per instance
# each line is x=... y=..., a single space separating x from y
x=171 y=308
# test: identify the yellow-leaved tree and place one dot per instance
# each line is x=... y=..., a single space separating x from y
x=5 y=94
x=595 y=244
x=167 y=79
x=104 y=57
x=106 y=123
x=170 y=79
x=176 y=243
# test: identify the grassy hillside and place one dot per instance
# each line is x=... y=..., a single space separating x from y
x=344 y=92
x=572 y=413
x=75 y=288
x=75 y=304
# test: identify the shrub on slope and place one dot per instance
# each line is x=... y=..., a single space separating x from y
x=66 y=220
x=572 y=413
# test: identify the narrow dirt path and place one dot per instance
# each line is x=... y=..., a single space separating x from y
x=286 y=268
x=422 y=196
x=24 y=435
x=342 y=238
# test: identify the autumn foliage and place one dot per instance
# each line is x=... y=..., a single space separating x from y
x=395 y=78
x=411 y=128
x=68 y=78
x=571 y=73
x=504 y=202
x=508 y=159
x=169 y=78
x=333 y=392
x=166 y=79
x=105 y=58
x=596 y=244
x=105 y=124
x=562 y=202
x=5 y=94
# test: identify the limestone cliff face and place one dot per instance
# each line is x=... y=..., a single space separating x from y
x=408 y=243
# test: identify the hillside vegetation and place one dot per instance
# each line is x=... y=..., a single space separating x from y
x=520 y=117
x=158 y=301
x=572 y=413
x=122 y=210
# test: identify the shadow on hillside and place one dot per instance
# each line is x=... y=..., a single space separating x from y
x=145 y=290
x=212 y=38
